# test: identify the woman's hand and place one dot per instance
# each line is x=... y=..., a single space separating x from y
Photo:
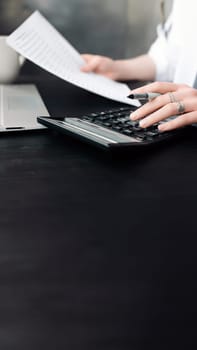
x=138 y=68
x=176 y=100
x=100 y=65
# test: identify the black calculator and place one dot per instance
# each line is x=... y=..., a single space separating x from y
x=110 y=129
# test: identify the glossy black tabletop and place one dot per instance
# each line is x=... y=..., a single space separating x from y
x=96 y=252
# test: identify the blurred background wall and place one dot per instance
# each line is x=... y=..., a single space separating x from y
x=119 y=29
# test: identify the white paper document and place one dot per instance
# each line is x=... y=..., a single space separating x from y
x=38 y=41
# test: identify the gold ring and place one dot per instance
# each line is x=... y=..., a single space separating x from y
x=180 y=107
x=172 y=98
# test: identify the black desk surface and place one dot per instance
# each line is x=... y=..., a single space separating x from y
x=96 y=252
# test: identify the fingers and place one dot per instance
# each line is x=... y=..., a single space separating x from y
x=179 y=122
x=150 y=107
x=164 y=107
x=92 y=63
x=100 y=65
x=163 y=113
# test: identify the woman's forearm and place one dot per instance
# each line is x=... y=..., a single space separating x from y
x=139 y=68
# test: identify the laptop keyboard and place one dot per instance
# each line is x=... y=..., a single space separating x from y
x=119 y=120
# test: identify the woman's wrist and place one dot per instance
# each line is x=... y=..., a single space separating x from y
x=139 y=68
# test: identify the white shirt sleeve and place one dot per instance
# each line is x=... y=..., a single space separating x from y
x=159 y=52
x=175 y=55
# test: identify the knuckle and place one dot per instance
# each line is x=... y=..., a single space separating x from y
x=184 y=86
x=156 y=85
x=193 y=92
x=188 y=90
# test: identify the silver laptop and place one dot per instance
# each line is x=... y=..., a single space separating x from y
x=19 y=107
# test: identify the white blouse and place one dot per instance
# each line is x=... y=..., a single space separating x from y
x=175 y=54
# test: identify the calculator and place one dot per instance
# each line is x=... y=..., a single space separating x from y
x=109 y=129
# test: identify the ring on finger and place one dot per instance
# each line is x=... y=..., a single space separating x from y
x=172 y=97
x=180 y=107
